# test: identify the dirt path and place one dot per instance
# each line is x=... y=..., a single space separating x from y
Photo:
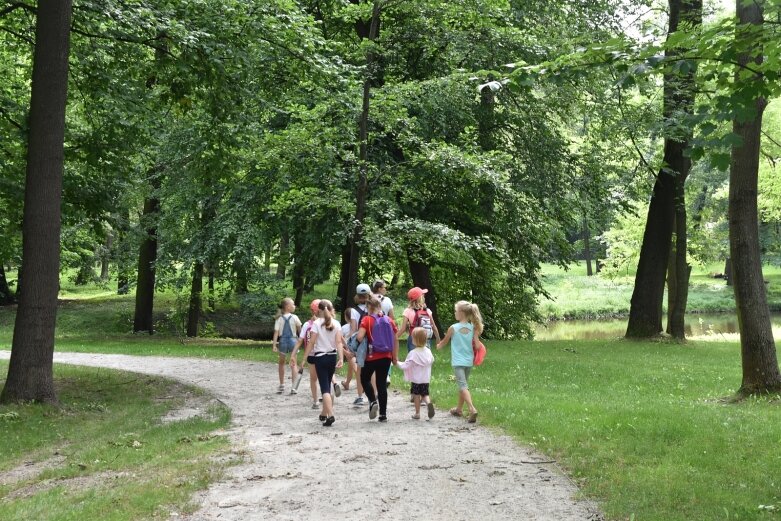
x=295 y=469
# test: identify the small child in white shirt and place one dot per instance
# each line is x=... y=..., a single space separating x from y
x=417 y=369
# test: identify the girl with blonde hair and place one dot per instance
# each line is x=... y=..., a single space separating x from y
x=469 y=327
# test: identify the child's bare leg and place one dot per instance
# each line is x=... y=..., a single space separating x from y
x=293 y=369
x=350 y=371
x=358 y=383
x=313 y=382
x=281 y=367
x=465 y=396
x=328 y=408
x=417 y=404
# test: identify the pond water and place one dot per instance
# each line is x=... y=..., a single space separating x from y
x=717 y=326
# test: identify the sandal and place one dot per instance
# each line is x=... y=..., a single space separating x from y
x=455 y=412
x=472 y=417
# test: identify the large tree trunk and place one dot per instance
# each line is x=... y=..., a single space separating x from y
x=757 y=347
x=194 y=310
x=421 y=277
x=212 y=300
x=678 y=273
x=242 y=277
x=30 y=375
x=645 y=313
x=6 y=296
x=362 y=193
x=124 y=267
x=344 y=292
x=147 y=256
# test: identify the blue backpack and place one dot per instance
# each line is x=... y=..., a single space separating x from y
x=383 y=336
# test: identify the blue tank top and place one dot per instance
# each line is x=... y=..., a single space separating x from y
x=461 y=353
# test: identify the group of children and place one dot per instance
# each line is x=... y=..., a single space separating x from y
x=369 y=343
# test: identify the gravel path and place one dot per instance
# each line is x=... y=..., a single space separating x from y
x=295 y=469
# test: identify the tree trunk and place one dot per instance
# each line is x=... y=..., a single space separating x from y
x=267 y=259
x=728 y=271
x=147 y=256
x=6 y=296
x=242 y=278
x=124 y=267
x=421 y=277
x=284 y=255
x=757 y=347
x=30 y=374
x=587 y=247
x=105 y=256
x=212 y=301
x=194 y=311
x=344 y=292
x=362 y=193
x=679 y=270
x=645 y=313
x=298 y=271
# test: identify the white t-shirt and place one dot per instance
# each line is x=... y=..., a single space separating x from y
x=326 y=340
x=387 y=304
x=295 y=323
x=346 y=330
x=354 y=315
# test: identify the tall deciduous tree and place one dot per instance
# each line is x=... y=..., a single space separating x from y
x=645 y=313
x=30 y=375
x=758 y=350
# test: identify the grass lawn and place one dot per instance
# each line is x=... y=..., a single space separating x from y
x=104 y=453
x=576 y=295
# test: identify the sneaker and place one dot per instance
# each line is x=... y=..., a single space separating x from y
x=387 y=380
x=337 y=390
x=359 y=402
x=416 y=416
x=430 y=410
x=293 y=391
x=373 y=410
x=382 y=418
x=315 y=405
x=280 y=389
x=329 y=421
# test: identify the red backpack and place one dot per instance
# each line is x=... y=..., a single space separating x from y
x=422 y=319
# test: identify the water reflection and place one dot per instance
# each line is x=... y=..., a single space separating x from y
x=717 y=326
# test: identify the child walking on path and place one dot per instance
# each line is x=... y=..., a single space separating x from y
x=286 y=329
x=303 y=339
x=417 y=369
x=327 y=349
x=383 y=349
x=460 y=335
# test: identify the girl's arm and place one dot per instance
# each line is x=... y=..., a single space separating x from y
x=404 y=325
x=296 y=347
x=361 y=335
x=310 y=345
x=274 y=339
x=434 y=327
x=445 y=340
x=395 y=355
x=339 y=349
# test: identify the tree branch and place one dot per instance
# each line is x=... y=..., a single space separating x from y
x=126 y=39
x=15 y=6
x=12 y=121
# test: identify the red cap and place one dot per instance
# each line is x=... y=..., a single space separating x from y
x=315 y=306
x=415 y=293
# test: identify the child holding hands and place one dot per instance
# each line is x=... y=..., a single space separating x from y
x=461 y=335
x=417 y=369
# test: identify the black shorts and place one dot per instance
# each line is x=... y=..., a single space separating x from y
x=310 y=360
x=420 y=389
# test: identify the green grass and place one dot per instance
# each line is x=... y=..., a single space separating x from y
x=577 y=296
x=641 y=426
x=116 y=459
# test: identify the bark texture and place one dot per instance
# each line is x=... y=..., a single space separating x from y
x=147 y=256
x=194 y=310
x=757 y=347
x=30 y=375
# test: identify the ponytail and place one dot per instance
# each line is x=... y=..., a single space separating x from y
x=282 y=305
x=328 y=312
x=471 y=314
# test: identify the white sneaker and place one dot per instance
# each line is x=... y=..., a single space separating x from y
x=359 y=402
x=281 y=389
x=315 y=405
x=293 y=391
x=373 y=410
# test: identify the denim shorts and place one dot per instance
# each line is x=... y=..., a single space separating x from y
x=462 y=376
